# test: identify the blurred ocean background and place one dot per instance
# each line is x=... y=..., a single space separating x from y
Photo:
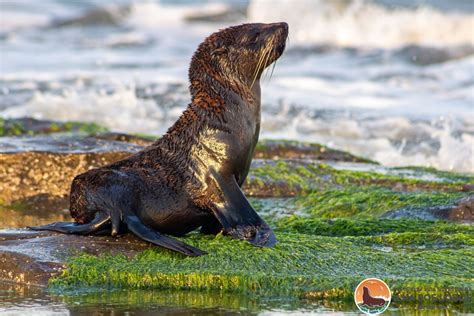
x=390 y=80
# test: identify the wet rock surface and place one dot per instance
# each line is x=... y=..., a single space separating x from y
x=45 y=165
x=40 y=168
x=33 y=166
x=31 y=126
x=32 y=258
x=461 y=210
x=277 y=149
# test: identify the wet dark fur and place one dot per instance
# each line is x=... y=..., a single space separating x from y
x=371 y=301
x=191 y=177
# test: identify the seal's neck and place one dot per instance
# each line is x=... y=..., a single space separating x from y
x=214 y=91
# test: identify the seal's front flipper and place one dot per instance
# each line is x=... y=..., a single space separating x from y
x=97 y=223
x=238 y=217
x=146 y=233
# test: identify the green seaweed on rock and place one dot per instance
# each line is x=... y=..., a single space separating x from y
x=319 y=176
x=363 y=202
x=367 y=227
x=300 y=265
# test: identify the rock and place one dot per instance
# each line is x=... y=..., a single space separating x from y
x=36 y=172
x=33 y=166
x=302 y=265
x=464 y=210
x=334 y=222
x=461 y=210
x=31 y=126
x=277 y=149
x=32 y=258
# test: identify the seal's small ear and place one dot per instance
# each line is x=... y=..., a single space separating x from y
x=218 y=51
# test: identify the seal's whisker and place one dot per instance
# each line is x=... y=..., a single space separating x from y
x=256 y=69
x=273 y=68
x=265 y=63
x=259 y=63
x=268 y=57
x=268 y=50
x=260 y=59
x=262 y=66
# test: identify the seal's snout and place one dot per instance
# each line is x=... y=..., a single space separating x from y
x=281 y=26
x=280 y=33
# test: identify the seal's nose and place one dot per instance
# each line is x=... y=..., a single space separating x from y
x=280 y=26
x=284 y=26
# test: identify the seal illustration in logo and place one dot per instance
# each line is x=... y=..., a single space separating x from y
x=372 y=296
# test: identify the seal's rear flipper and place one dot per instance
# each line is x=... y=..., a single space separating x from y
x=238 y=217
x=97 y=223
x=138 y=228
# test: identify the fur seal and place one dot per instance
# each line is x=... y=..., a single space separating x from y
x=192 y=176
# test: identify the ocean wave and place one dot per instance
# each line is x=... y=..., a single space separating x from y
x=364 y=23
x=424 y=55
x=120 y=40
x=403 y=100
x=21 y=20
x=117 y=110
x=146 y=15
x=421 y=55
x=393 y=141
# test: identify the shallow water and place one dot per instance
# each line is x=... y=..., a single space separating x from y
x=20 y=299
x=390 y=80
x=27 y=300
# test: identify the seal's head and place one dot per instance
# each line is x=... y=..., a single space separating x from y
x=239 y=53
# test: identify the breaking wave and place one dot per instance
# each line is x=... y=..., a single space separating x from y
x=364 y=23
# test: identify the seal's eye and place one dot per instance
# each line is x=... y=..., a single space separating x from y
x=254 y=38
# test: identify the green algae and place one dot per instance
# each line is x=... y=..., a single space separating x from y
x=369 y=202
x=299 y=265
x=12 y=129
x=337 y=240
x=147 y=136
x=384 y=232
x=323 y=255
x=367 y=227
x=87 y=128
x=436 y=240
x=305 y=149
x=24 y=127
x=442 y=182
x=316 y=176
x=281 y=171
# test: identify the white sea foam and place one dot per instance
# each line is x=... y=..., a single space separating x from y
x=120 y=110
x=20 y=20
x=392 y=142
x=363 y=23
x=154 y=14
